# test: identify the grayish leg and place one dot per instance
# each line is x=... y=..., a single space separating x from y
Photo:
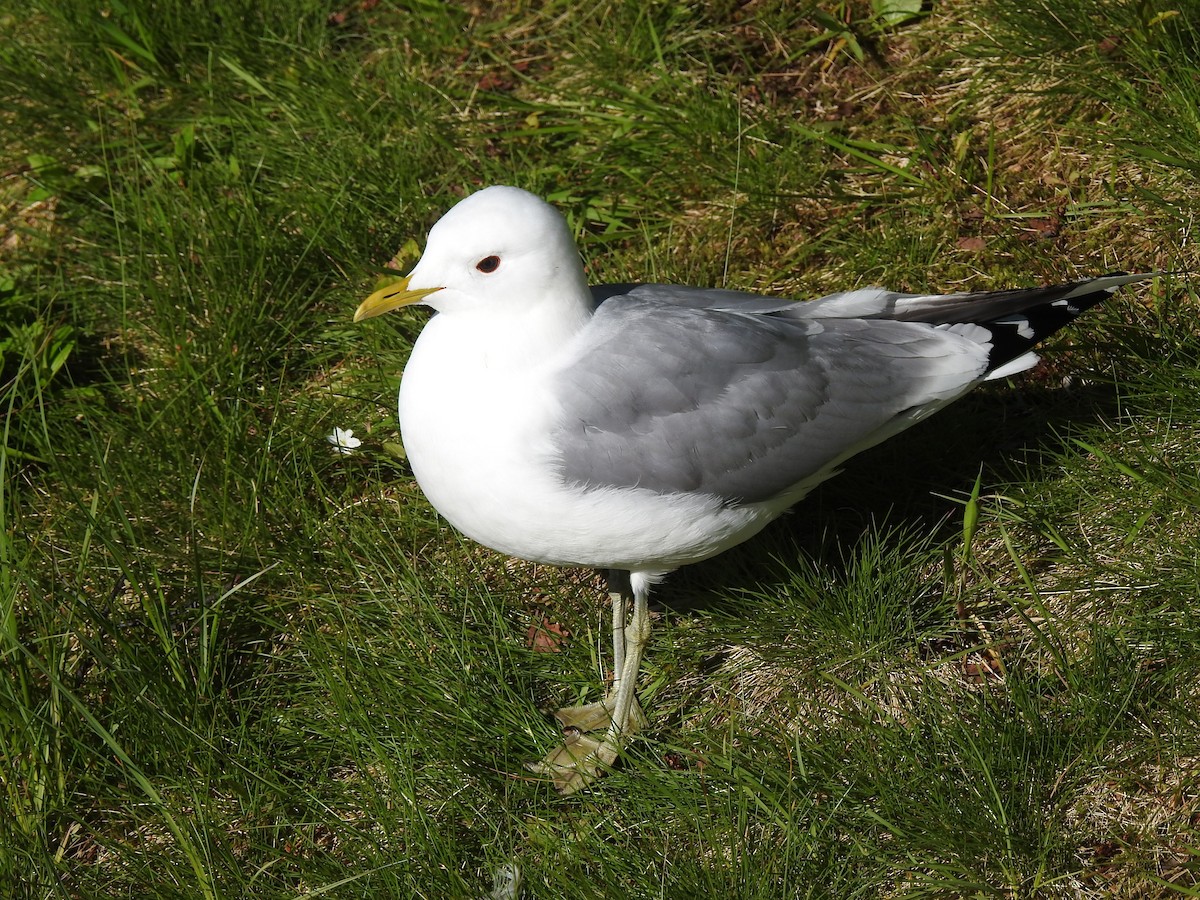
x=581 y=758
x=618 y=592
x=637 y=634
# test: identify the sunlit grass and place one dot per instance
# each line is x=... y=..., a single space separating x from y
x=238 y=663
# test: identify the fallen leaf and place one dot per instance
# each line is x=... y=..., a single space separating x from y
x=546 y=636
x=1046 y=228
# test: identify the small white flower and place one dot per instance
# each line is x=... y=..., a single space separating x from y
x=506 y=883
x=344 y=441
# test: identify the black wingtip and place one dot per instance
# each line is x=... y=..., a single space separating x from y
x=1037 y=313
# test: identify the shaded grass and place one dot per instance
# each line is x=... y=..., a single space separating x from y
x=237 y=663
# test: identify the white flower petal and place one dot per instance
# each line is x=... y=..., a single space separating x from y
x=344 y=441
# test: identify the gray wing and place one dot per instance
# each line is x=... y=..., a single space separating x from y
x=695 y=398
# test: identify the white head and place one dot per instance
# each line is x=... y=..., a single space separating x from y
x=501 y=249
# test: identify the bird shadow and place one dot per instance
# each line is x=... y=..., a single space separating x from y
x=907 y=485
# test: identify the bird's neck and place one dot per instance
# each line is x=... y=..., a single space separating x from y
x=502 y=342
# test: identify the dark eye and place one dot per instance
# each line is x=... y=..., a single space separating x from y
x=488 y=264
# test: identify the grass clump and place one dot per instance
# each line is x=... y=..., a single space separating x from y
x=236 y=662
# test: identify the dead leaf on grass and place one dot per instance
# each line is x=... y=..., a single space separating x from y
x=546 y=636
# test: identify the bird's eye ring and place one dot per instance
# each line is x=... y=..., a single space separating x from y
x=488 y=264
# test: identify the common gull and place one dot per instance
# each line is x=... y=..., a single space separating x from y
x=637 y=428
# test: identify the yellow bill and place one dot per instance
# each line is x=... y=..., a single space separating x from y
x=394 y=296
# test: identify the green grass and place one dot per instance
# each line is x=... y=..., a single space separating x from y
x=238 y=664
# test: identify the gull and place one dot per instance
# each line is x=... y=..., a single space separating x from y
x=637 y=428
